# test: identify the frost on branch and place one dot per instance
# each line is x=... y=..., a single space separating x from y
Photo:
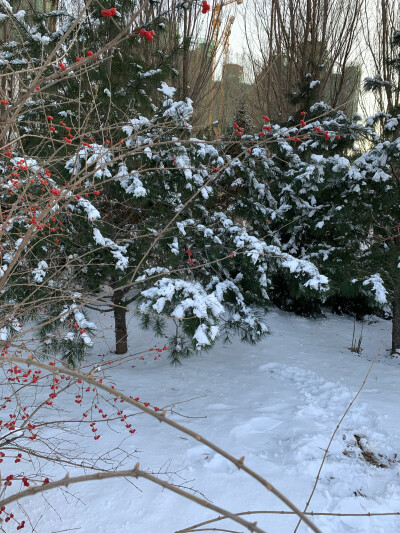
x=95 y=157
x=116 y=250
x=91 y=211
x=195 y=311
x=39 y=273
x=377 y=288
x=180 y=112
x=71 y=333
x=130 y=181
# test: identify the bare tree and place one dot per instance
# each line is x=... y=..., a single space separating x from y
x=379 y=61
x=302 y=52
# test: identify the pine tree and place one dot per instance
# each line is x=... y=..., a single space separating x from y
x=122 y=206
x=341 y=212
x=242 y=119
x=191 y=255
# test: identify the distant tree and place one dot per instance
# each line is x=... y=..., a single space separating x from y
x=300 y=53
x=382 y=37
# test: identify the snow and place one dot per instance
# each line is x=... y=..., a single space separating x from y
x=192 y=299
x=91 y=211
x=180 y=111
x=116 y=250
x=6 y=5
x=174 y=246
x=276 y=403
x=130 y=181
x=44 y=39
x=137 y=123
x=39 y=273
x=166 y=90
x=391 y=124
x=377 y=287
x=20 y=15
x=150 y=73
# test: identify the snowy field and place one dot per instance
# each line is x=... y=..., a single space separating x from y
x=277 y=404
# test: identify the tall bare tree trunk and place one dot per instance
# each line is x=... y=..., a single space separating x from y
x=121 y=332
x=396 y=322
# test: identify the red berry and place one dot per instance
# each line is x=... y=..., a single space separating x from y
x=205 y=6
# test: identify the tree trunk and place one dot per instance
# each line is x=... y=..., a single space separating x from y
x=396 y=322
x=121 y=332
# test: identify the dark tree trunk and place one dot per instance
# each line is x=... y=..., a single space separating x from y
x=121 y=332
x=396 y=322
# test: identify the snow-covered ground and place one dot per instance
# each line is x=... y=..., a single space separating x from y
x=277 y=404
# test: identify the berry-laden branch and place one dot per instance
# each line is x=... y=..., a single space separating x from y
x=161 y=417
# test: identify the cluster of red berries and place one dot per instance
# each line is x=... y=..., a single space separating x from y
x=160 y=350
x=189 y=252
x=124 y=420
x=5 y=102
x=148 y=34
x=205 y=7
x=238 y=131
x=266 y=127
x=89 y=53
x=11 y=516
x=326 y=133
x=108 y=12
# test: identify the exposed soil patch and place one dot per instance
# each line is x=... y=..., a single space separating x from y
x=375 y=459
